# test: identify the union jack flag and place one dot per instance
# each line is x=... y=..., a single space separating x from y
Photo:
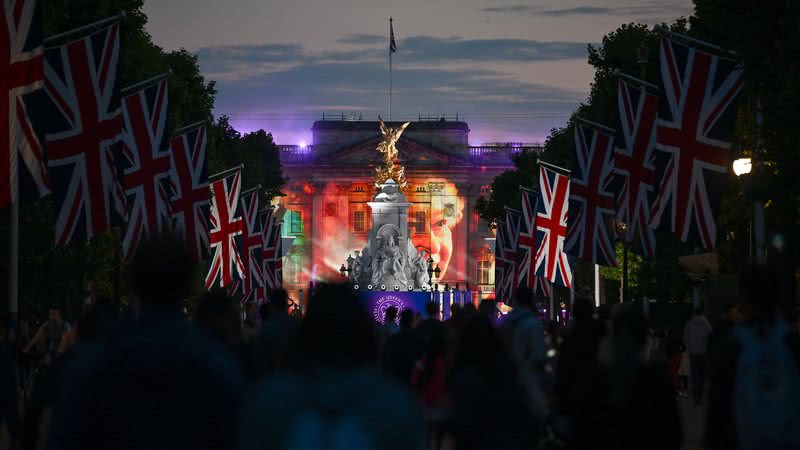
x=551 y=227
x=189 y=185
x=634 y=164
x=506 y=255
x=252 y=244
x=146 y=151
x=80 y=79
x=226 y=263
x=592 y=206
x=526 y=246
x=22 y=62
x=697 y=114
x=272 y=257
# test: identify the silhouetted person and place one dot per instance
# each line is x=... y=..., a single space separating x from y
x=431 y=328
x=46 y=386
x=696 y=335
x=755 y=380
x=403 y=349
x=525 y=336
x=50 y=333
x=218 y=314
x=641 y=410
x=159 y=382
x=276 y=342
x=489 y=408
x=337 y=398
x=579 y=389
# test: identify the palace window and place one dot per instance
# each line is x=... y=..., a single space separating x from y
x=484 y=272
x=293 y=269
x=359 y=221
x=420 y=222
x=295 y=222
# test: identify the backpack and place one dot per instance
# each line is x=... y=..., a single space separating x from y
x=767 y=390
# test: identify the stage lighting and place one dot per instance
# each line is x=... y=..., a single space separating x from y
x=396 y=287
x=410 y=287
x=355 y=286
x=369 y=286
x=383 y=287
x=424 y=287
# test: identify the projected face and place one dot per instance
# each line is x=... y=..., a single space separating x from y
x=445 y=216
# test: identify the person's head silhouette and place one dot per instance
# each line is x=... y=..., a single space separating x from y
x=161 y=272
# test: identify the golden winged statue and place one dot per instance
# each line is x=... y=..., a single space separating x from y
x=388 y=148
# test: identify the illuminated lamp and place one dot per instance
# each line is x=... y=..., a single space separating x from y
x=383 y=287
x=742 y=166
x=303 y=144
x=396 y=287
x=369 y=286
x=355 y=286
x=410 y=287
x=424 y=287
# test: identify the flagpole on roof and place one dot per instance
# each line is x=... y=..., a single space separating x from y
x=226 y=171
x=391 y=50
x=99 y=23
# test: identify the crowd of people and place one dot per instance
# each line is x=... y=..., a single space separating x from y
x=334 y=379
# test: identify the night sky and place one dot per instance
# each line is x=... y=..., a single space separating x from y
x=513 y=70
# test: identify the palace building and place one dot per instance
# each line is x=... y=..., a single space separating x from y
x=331 y=181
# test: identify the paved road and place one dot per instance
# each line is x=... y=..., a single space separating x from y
x=693 y=418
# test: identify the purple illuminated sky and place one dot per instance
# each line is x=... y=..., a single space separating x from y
x=513 y=70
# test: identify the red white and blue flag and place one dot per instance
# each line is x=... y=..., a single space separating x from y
x=189 y=203
x=272 y=252
x=634 y=164
x=22 y=69
x=697 y=114
x=526 y=246
x=592 y=206
x=551 y=227
x=506 y=256
x=251 y=247
x=82 y=136
x=225 y=226
x=145 y=148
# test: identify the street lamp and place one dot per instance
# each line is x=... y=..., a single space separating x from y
x=437 y=271
x=622 y=231
x=742 y=166
x=343 y=271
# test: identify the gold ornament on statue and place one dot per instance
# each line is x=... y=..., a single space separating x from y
x=387 y=146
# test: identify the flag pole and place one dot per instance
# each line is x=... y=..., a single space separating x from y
x=226 y=171
x=13 y=266
x=595 y=125
x=390 y=69
x=119 y=16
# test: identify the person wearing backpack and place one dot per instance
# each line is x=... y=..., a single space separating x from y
x=755 y=378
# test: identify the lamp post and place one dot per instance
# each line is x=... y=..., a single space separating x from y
x=622 y=229
x=744 y=167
